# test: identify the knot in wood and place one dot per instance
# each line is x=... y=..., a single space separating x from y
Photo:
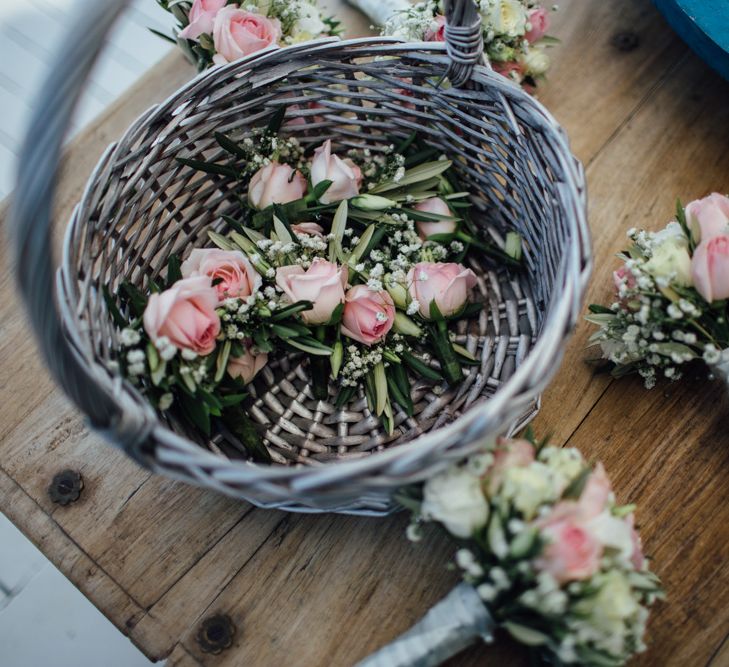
x=66 y=487
x=626 y=40
x=216 y=634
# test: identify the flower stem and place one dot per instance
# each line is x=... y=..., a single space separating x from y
x=320 y=368
x=446 y=354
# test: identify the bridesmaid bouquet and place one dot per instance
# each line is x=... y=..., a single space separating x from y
x=514 y=31
x=671 y=297
x=545 y=552
x=356 y=261
x=217 y=32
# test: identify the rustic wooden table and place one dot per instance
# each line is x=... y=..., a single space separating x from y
x=650 y=122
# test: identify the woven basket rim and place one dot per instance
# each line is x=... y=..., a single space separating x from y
x=560 y=313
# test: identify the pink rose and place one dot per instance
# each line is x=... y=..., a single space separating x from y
x=275 y=184
x=308 y=229
x=539 y=21
x=446 y=284
x=436 y=30
x=246 y=366
x=594 y=497
x=345 y=175
x=238 y=33
x=710 y=268
x=322 y=283
x=709 y=215
x=508 y=454
x=201 y=18
x=437 y=206
x=368 y=315
x=572 y=553
x=234 y=274
x=185 y=314
x=623 y=276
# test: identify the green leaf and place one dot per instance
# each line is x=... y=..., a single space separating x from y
x=282 y=231
x=291 y=310
x=134 y=297
x=339 y=224
x=285 y=332
x=380 y=383
x=423 y=172
x=167 y=38
x=111 y=306
x=420 y=368
x=336 y=317
x=361 y=246
x=173 y=270
x=524 y=634
x=577 y=485
x=221 y=362
x=310 y=345
x=344 y=397
x=435 y=313
x=403 y=400
x=598 y=309
x=335 y=360
x=240 y=424
x=196 y=411
x=513 y=246
x=497 y=537
x=209 y=167
x=274 y=125
x=221 y=241
x=231 y=146
x=232 y=399
x=318 y=191
x=245 y=244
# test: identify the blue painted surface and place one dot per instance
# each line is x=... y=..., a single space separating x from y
x=704 y=26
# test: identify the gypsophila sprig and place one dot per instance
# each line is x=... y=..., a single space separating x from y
x=671 y=296
x=361 y=274
x=554 y=558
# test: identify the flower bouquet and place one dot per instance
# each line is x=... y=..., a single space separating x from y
x=215 y=32
x=514 y=31
x=671 y=297
x=546 y=555
x=355 y=262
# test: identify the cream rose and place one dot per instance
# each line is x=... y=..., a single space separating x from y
x=455 y=498
x=670 y=261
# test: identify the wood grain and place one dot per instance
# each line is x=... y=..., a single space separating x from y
x=157 y=557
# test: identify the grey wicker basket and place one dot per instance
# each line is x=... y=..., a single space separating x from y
x=141 y=204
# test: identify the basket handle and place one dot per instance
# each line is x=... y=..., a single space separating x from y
x=110 y=410
x=464 y=40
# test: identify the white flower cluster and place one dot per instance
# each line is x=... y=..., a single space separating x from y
x=360 y=361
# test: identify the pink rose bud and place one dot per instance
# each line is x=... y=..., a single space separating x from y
x=436 y=30
x=275 y=184
x=238 y=33
x=508 y=454
x=571 y=553
x=436 y=206
x=710 y=268
x=201 y=18
x=510 y=69
x=345 y=175
x=307 y=229
x=446 y=284
x=234 y=274
x=246 y=366
x=322 y=283
x=594 y=497
x=185 y=314
x=708 y=217
x=539 y=21
x=368 y=315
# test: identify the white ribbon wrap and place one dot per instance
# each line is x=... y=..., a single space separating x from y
x=378 y=11
x=452 y=625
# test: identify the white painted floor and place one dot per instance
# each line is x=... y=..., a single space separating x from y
x=44 y=619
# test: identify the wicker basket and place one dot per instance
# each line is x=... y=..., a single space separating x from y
x=141 y=204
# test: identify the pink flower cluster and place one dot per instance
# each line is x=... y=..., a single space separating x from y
x=708 y=219
x=576 y=532
x=236 y=32
x=185 y=314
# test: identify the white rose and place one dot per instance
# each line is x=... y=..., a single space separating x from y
x=613 y=533
x=529 y=487
x=309 y=25
x=613 y=605
x=505 y=17
x=670 y=260
x=456 y=499
x=536 y=61
x=564 y=462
